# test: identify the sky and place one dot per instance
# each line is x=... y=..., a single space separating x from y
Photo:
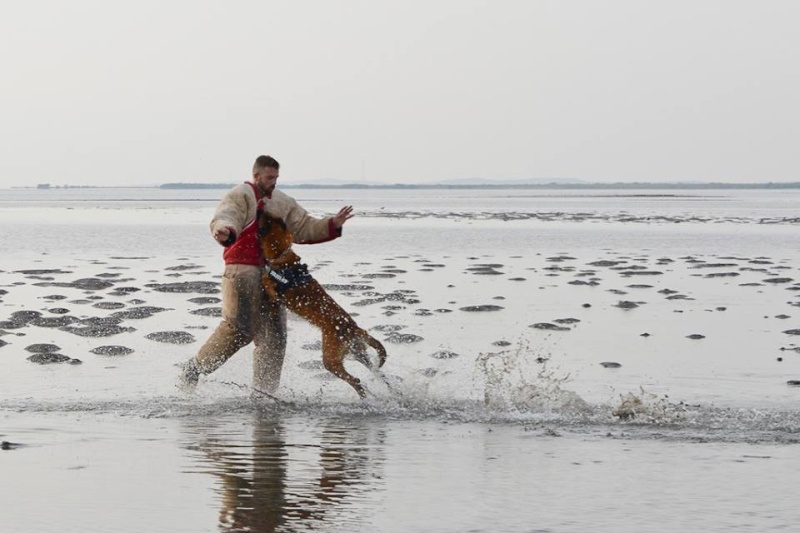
x=145 y=92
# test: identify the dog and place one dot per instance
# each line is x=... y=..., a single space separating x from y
x=287 y=279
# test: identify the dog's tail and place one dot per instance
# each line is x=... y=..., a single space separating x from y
x=359 y=350
x=375 y=343
x=362 y=356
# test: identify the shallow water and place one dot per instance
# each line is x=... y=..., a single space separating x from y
x=520 y=437
x=267 y=471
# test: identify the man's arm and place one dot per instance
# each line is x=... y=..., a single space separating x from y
x=230 y=217
x=306 y=229
x=332 y=227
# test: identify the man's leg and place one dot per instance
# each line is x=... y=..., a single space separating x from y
x=238 y=307
x=270 y=348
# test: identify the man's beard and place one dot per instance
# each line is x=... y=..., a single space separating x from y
x=266 y=191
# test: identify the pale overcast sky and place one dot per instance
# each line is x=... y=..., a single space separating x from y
x=146 y=92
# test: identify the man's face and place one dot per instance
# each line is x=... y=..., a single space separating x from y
x=266 y=180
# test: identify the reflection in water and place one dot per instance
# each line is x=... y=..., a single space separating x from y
x=280 y=476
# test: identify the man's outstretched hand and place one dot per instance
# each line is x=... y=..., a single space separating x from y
x=344 y=214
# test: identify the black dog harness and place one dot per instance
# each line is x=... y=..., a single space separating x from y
x=295 y=275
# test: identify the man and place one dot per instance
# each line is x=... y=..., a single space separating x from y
x=247 y=314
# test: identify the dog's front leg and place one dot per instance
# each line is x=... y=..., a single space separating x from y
x=269 y=288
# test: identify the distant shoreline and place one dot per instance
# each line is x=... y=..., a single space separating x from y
x=444 y=186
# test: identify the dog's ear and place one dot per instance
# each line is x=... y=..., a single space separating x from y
x=281 y=223
x=268 y=224
x=264 y=221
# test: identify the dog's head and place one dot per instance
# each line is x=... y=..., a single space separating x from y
x=273 y=236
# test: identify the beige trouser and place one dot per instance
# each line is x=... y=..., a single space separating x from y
x=247 y=315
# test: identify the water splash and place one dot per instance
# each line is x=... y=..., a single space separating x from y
x=646 y=407
x=519 y=380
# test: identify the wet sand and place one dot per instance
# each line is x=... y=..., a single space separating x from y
x=611 y=321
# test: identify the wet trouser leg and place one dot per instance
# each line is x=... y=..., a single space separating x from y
x=247 y=316
x=270 y=348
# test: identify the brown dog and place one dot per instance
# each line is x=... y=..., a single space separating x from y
x=287 y=279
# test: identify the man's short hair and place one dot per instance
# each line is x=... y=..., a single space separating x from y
x=264 y=162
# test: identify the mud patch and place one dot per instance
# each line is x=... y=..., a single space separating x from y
x=171 y=337
x=112 y=350
x=481 y=308
x=200 y=287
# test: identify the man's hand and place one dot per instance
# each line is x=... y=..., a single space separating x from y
x=222 y=235
x=344 y=214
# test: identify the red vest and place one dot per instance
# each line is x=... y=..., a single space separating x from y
x=246 y=249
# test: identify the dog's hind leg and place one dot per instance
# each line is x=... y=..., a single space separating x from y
x=333 y=360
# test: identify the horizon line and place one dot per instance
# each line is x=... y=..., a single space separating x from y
x=440 y=185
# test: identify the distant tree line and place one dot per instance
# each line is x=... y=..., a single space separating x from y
x=576 y=186
x=195 y=186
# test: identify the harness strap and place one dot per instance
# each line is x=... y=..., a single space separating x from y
x=295 y=275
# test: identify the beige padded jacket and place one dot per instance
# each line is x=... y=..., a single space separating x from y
x=237 y=212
